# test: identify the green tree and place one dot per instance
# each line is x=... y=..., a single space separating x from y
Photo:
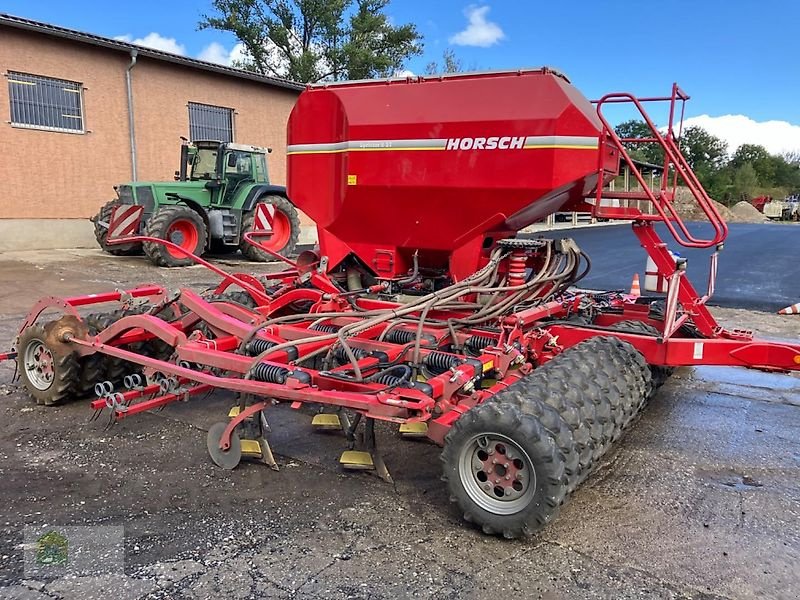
x=316 y=40
x=704 y=152
x=450 y=64
x=764 y=164
x=644 y=152
x=745 y=182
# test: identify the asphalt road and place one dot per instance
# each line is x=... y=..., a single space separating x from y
x=759 y=269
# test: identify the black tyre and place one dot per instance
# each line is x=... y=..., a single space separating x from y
x=101 y=222
x=659 y=374
x=92 y=368
x=180 y=225
x=49 y=376
x=285 y=230
x=503 y=469
x=524 y=395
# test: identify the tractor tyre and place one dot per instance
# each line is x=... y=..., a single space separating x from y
x=659 y=374
x=101 y=232
x=49 y=377
x=504 y=470
x=285 y=231
x=180 y=225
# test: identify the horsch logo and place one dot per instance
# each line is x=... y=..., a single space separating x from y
x=486 y=143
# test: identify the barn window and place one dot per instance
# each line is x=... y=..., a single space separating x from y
x=45 y=103
x=207 y=122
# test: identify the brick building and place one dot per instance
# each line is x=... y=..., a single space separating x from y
x=84 y=113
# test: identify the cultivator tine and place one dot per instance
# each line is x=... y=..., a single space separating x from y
x=369 y=458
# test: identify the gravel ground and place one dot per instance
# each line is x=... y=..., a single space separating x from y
x=701 y=498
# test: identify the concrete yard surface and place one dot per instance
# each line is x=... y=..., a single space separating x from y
x=700 y=499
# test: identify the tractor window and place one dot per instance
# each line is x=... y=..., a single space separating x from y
x=204 y=165
x=238 y=163
x=260 y=168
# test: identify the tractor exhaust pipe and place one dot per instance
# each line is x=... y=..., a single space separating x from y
x=184 y=159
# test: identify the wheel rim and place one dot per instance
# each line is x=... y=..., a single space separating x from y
x=39 y=365
x=496 y=473
x=182 y=233
x=281 y=232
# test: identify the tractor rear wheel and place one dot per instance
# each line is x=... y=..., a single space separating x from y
x=285 y=230
x=183 y=227
x=504 y=470
x=101 y=222
x=48 y=375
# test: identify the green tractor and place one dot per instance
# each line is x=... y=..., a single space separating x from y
x=208 y=208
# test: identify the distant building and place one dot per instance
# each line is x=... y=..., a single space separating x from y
x=67 y=137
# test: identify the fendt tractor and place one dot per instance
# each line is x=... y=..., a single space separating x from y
x=208 y=207
x=422 y=307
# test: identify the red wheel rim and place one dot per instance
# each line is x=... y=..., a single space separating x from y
x=183 y=233
x=281 y=232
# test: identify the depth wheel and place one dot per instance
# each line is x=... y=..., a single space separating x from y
x=503 y=470
x=49 y=377
x=181 y=226
x=285 y=230
x=227 y=459
x=101 y=232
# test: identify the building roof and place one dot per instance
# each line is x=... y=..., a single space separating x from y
x=111 y=44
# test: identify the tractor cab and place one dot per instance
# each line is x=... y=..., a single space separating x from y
x=210 y=204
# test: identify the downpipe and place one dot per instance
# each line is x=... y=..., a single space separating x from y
x=131 y=126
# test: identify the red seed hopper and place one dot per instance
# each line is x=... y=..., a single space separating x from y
x=438 y=165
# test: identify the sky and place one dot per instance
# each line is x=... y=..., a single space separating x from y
x=738 y=59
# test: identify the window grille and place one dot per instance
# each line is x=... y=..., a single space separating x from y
x=45 y=103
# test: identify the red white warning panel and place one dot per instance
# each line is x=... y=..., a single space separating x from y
x=265 y=213
x=124 y=221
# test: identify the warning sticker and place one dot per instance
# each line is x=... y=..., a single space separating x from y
x=698 y=351
x=352 y=180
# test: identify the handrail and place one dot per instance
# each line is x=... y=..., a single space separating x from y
x=673 y=157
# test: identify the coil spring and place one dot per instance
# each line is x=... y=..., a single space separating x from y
x=390 y=380
x=341 y=356
x=517 y=267
x=479 y=342
x=325 y=328
x=259 y=345
x=270 y=373
x=401 y=336
x=439 y=362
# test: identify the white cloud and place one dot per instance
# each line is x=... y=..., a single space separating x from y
x=479 y=31
x=776 y=136
x=405 y=73
x=216 y=53
x=156 y=41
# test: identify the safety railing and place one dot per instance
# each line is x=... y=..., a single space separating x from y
x=676 y=170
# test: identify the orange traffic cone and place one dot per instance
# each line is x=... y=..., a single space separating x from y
x=636 y=290
x=794 y=309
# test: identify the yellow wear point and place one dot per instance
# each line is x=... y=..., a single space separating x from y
x=326 y=421
x=356 y=460
x=415 y=429
x=251 y=448
x=233 y=412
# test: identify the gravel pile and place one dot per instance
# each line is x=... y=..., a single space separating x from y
x=689 y=210
x=744 y=212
